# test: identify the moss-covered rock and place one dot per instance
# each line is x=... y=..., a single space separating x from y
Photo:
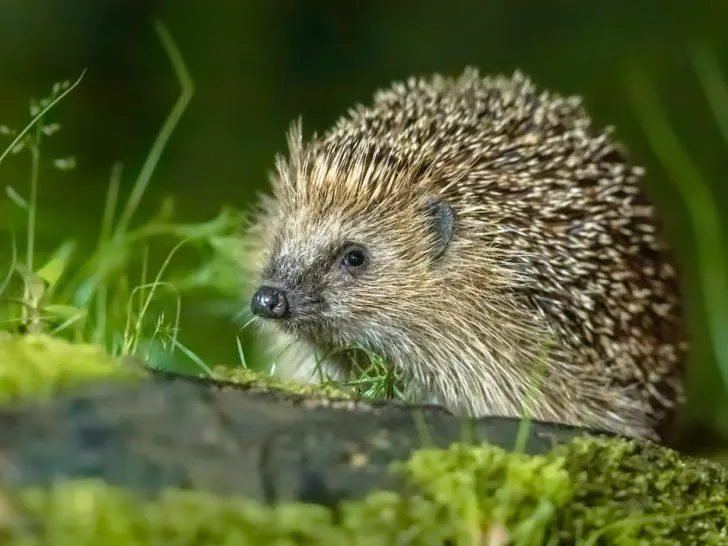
x=195 y=462
x=584 y=493
x=40 y=365
x=632 y=492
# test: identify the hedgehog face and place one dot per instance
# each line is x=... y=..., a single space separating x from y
x=316 y=274
x=305 y=273
x=338 y=280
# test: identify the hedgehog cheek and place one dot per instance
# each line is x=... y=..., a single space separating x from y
x=441 y=223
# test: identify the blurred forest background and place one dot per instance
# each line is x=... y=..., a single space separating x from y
x=258 y=64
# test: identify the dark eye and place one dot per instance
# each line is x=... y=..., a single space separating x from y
x=353 y=257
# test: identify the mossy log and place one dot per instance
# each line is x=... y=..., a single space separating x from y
x=94 y=449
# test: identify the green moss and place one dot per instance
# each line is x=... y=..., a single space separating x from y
x=40 y=365
x=627 y=490
x=257 y=380
x=587 y=492
x=471 y=490
x=86 y=512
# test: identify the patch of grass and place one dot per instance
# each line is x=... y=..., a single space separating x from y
x=372 y=376
x=110 y=297
x=369 y=374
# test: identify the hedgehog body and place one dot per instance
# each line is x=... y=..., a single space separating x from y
x=493 y=248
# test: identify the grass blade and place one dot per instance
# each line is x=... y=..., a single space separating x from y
x=150 y=163
x=695 y=193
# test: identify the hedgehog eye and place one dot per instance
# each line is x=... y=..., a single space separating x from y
x=353 y=257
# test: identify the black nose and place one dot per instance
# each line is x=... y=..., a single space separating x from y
x=269 y=302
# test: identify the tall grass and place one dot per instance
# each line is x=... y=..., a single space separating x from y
x=92 y=298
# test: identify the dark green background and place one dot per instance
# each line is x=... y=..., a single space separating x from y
x=259 y=64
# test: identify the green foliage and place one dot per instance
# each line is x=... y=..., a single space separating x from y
x=92 y=298
x=372 y=376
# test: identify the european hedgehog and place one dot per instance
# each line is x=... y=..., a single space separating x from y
x=487 y=243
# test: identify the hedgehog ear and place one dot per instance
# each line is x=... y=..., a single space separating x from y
x=441 y=218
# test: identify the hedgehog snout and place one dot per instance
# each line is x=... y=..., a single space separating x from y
x=269 y=302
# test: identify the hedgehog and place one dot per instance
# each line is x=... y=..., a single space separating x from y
x=479 y=235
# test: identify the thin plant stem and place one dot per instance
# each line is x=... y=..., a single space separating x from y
x=33 y=200
x=160 y=143
x=714 y=86
x=695 y=193
x=39 y=116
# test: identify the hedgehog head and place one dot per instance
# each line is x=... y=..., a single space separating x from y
x=349 y=232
